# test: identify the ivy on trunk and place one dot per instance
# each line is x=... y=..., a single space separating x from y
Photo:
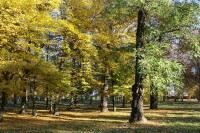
x=138 y=88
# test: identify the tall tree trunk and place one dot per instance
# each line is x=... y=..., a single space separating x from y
x=198 y=72
x=34 y=110
x=3 y=102
x=112 y=86
x=47 y=99
x=175 y=98
x=199 y=94
x=104 y=103
x=113 y=103
x=75 y=100
x=47 y=89
x=137 y=113
x=47 y=103
x=153 y=97
x=154 y=90
x=91 y=100
x=15 y=99
x=51 y=105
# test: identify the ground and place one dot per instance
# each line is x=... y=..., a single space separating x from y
x=169 y=118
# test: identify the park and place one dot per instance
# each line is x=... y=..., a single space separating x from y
x=170 y=117
x=100 y=66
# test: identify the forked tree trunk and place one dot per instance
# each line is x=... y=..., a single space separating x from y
x=104 y=101
x=153 y=98
x=3 y=102
x=55 y=109
x=137 y=113
x=55 y=106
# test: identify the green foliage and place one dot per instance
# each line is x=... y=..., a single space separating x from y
x=66 y=46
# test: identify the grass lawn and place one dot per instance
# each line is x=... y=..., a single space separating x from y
x=170 y=118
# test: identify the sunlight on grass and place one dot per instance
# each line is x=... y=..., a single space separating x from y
x=166 y=119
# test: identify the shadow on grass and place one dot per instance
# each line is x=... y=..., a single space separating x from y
x=168 y=119
x=95 y=126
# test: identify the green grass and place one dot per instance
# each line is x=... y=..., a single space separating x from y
x=170 y=118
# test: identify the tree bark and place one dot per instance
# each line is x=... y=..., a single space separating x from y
x=104 y=101
x=75 y=100
x=15 y=99
x=23 y=103
x=153 y=97
x=112 y=86
x=47 y=103
x=51 y=105
x=55 y=106
x=34 y=110
x=47 y=99
x=3 y=102
x=198 y=72
x=137 y=113
x=123 y=102
x=113 y=103
x=91 y=100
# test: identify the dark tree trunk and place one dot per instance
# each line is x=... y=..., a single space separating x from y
x=137 y=113
x=123 y=102
x=15 y=99
x=75 y=100
x=104 y=103
x=91 y=100
x=23 y=103
x=3 y=102
x=153 y=97
x=47 y=103
x=175 y=98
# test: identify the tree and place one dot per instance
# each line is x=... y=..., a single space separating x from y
x=153 y=29
x=21 y=36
